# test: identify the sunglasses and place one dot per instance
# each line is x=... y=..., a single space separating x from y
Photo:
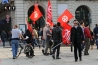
x=75 y=23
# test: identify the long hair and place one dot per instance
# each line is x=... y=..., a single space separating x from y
x=90 y=29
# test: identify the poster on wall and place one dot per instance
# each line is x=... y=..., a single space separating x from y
x=22 y=27
x=62 y=8
x=5 y=1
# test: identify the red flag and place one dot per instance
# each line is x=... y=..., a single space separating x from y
x=65 y=17
x=66 y=34
x=49 y=13
x=29 y=27
x=36 y=14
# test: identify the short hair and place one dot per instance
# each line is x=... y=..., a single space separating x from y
x=81 y=23
x=75 y=21
x=54 y=25
x=86 y=25
x=16 y=26
x=58 y=24
x=96 y=25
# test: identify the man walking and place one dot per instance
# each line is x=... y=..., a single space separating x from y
x=76 y=38
x=46 y=28
x=16 y=33
x=57 y=37
x=96 y=34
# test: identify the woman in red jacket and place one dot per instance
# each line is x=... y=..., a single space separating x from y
x=87 y=39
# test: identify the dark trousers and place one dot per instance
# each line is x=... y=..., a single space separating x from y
x=3 y=41
x=96 y=42
x=35 y=43
x=77 y=47
x=87 y=45
x=31 y=53
x=56 y=42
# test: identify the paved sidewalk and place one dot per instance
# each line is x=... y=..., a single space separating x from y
x=67 y=58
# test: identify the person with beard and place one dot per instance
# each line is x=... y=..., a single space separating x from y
x=46 y=28
x=76 y=38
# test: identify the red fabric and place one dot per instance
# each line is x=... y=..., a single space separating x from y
x=87 y=33
x=49 y=13
x=66 y=34
x=36 y=14
x=65 y=17
x=0 y=40
x=29 y=27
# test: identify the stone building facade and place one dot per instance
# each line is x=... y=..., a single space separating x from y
x=22 y=6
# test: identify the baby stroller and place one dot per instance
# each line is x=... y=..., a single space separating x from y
x=28 y=50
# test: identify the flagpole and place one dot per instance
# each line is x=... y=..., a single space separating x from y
x=43 y=18
x=56 y=45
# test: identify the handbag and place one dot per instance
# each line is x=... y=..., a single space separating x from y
x=50 y=42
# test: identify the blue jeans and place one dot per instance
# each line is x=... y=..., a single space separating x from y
x=24 y=42
x=82 y=46
x=15 y=44
x=97 y=42
x=35 y=41
x=43 y=43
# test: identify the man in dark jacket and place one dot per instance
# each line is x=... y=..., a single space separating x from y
x=76 y=38
x=96 y=34
x=3 y=37
x=57 y=36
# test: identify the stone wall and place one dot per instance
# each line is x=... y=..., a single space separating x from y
x=19 y=12
x=92 y=6
x=22 y=7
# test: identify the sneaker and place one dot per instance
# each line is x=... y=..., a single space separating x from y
x=30 y=56
x=50 y=53
x=43 y=51
x=33 y=55
x=86 y=54
x=27 y=55
x=80 y=59
x=53 y=56
x=76 y=60
x=46 y=54
x=58 y=58
x=13 y=58
x=39 y=46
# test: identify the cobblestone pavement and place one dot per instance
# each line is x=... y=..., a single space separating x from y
x=67 y=58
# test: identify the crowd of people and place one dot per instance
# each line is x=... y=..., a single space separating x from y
x=82 y=37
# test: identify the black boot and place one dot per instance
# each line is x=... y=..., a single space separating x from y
x=46 y=54
x=80 y=59
x=53 y=56
x=43 y=51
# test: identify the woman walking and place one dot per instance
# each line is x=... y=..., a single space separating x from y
x=92 y=41
x=29 y=43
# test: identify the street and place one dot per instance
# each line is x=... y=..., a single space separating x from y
x=67 y=58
